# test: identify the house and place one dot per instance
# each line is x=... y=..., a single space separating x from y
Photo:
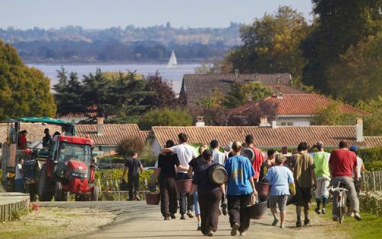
x=197 y=86
x=300 y=109
x=267 y=137
x=106 y=137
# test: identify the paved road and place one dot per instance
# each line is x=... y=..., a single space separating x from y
x=138 y=220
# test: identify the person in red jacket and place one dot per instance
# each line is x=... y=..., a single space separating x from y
x=259 y=158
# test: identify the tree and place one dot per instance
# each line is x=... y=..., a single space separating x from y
x=271 y=44
x=162 y=94
x=332 y=115
x=24 y=91
x=373 y=123
x=165 y=117
x=241 y=93
x=340 y=24
x=128 y=146
x=69 y=93
x=358 y=73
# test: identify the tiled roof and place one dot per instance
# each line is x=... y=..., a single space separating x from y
x=112 y=133
x=373 y=141
x=307 y=104
x=196 y=86
x=35 y=130
x=264 y=136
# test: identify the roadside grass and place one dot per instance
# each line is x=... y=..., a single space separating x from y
x=12 y=231
x=369 y=227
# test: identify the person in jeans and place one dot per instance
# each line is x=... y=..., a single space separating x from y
x=166 y=176
x=279 y=178
x=321 y=169
x=19 y=178
x=185 y=153
x=210 y=195
x=133 y=164
x=241 y=187
x=194 y=166
x=342 y=164
x=302 y=165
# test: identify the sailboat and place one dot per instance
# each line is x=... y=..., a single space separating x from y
x=172 y=62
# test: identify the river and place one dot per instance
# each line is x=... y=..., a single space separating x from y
x=174 y=74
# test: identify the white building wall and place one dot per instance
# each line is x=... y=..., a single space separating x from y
x=294 y=121
x=156 y=147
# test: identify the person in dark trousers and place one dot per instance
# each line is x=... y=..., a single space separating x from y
x=133 y=164
x=302 y=166
x=167 y=162
x=241 y=187
x=195 y=163
x=210 y=196
x=46 y=139
x=185 y=154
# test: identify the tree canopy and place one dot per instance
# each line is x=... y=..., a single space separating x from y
x=271 y=44
x=24 y=91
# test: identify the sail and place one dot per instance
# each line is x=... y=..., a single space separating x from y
x=172 y=62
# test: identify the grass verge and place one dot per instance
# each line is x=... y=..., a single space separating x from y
x=369 y=227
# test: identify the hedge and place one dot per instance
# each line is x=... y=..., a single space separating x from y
x=372 y=158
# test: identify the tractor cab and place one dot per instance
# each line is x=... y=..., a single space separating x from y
x=71 y=164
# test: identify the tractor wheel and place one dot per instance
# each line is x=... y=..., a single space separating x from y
x=45 y=192
x=59 y=193
x=94 y=195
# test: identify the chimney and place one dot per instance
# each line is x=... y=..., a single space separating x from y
x=273 y=124
x=359 y=130
x=200 y=121
x=99 y=125
x=264 y=122
x=237 y=73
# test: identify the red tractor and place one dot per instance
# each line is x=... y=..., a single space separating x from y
x=69 y=168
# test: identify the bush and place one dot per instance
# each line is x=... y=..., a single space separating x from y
x=130 y=145
x=372 y=158
x=165 y=117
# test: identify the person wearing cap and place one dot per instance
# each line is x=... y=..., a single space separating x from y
x=321 y=169
x=210 y=196
x=360 y=169
x=195 y=164
x=343 y=165
x=241 y=188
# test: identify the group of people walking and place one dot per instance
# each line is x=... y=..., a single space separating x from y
x=307 y=169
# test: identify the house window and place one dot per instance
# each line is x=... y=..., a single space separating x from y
x=290 y=123
x=283 y=124
x=286 y=123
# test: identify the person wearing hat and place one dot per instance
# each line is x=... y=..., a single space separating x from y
x=210 y=196
x=241 y=188
x=321 y=169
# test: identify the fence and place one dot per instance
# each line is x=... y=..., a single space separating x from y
x=372 y=181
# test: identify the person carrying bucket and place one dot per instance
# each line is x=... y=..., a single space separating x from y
x=185 y=153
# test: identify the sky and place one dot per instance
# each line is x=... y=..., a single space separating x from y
x=99 y=14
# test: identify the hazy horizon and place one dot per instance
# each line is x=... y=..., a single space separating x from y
x=98 y=14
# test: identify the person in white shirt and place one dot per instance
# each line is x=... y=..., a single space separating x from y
x=19 y=178
x=185 y=153
x=217 y=156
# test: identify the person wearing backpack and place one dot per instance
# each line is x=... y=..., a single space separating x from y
x=321 y=162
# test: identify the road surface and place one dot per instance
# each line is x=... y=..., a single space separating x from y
x=138 y=220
